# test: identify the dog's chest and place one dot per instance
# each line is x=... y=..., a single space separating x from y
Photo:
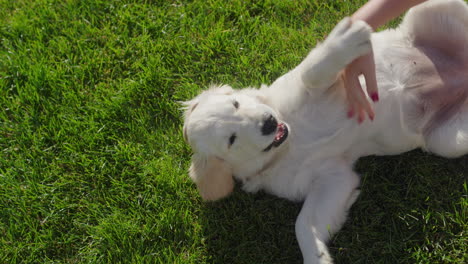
x=287 y=179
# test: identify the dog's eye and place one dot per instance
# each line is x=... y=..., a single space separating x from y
x=236 y=104
x=232 y=139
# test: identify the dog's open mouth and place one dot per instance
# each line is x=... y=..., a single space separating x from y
x=280 y=136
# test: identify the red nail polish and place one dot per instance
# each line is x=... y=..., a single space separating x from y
x=375 y=97
x=350 y=113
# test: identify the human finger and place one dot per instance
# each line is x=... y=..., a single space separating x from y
x=357 y=100
x=370 y=77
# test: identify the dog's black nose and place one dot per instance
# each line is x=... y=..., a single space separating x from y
x=269 y=125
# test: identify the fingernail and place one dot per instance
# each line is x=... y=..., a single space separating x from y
x=371 y=117
x=360 y=120
x=375 y=97
x=350 y=113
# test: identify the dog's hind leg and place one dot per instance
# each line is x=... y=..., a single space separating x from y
x=450 y=139
x=439 y=24
x=438 y=33
x=325 y=209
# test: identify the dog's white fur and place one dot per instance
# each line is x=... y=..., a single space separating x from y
x=422 y=71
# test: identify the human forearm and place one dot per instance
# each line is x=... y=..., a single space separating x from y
x=379 y=12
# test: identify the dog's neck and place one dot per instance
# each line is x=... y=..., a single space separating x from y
x=269 y=164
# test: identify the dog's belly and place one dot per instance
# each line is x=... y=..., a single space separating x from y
x=422 y=88
x=440 y=84
x=432 y=84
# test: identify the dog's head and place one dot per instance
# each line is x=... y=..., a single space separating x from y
x=231 y=133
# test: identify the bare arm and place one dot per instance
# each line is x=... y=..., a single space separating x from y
x=378 y=12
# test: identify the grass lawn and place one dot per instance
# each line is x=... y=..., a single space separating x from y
x=92 y=160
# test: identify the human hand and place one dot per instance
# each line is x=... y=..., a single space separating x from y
x=358 y=103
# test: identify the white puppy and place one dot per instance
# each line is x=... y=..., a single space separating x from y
x=294 y=140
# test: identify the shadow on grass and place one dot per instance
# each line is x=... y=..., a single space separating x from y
x=408 y=211
x=247 y=228
x=407 y=205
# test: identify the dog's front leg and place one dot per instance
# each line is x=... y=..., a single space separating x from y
x=347 y=41
x=324 y=210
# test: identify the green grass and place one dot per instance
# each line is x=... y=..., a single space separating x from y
x=92 y=160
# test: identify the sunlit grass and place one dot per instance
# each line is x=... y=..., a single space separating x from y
x=93 y=164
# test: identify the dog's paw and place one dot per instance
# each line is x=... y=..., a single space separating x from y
x=321 y=258
x=324 y=259
x=318 y=255
x=349 y=40
x=323 y=255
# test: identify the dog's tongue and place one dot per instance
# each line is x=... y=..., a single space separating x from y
x=280 y=132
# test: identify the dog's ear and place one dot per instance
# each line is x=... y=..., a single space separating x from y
x=212 y=175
